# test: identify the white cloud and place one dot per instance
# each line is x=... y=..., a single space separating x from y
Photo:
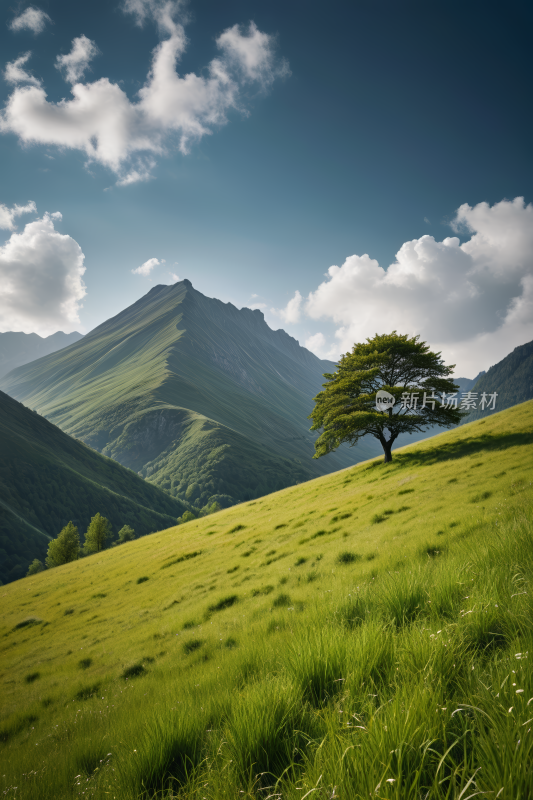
x=253 y=306
x=8 y=215
x=146 y=268
x=14 y=72
x=473 y=301
x=41 y=277
x=32 y=19
x=291 y=313
x=101 y=121
x=74 y=64
x=317 y=344
x=173 y=277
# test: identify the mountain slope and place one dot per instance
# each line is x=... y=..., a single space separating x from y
x=18 y=348
x=367 y=629
x=47 y=478
x=511 y=378
x=200 y=398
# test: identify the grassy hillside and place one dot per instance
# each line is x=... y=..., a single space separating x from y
x=17 y=348
x=47 y=478
x=198 y=397
x=366 y=634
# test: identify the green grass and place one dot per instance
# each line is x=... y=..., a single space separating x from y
x=404 y=673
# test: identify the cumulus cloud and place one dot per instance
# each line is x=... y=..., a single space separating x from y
x=74 y=64
x=125 y=136
x=473 y=301
x=8 y=215
x=146 y=268
x=15 y=72
x=291 y=313
x=41 y=277
x=32 y=19
x=317 y=345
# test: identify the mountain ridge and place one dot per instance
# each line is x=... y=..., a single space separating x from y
x=232 y=394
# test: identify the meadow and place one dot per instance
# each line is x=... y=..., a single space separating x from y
x=365 y=634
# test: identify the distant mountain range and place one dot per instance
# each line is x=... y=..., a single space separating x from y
x=48 y=478
x=511 y=378
x=18 y=348
x=202 y=399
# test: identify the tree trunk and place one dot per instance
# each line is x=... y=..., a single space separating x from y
x=387 y=447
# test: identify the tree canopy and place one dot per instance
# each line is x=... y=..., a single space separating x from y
x=98 y=532
x=65 y=548
x=125 y=534
x=393 y=368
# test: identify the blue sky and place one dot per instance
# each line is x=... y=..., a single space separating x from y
x=306 y=135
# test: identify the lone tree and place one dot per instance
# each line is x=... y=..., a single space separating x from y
x=65 y=548
x=404 y=375
x=98 y=532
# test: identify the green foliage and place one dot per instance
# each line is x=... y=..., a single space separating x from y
x=97 y=535
x=65 y=548
x=125 y=534
x=35 y=567
x=187 y=516
x=345 y=411
x=48 y=478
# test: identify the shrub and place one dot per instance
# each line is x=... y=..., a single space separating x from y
x=237 y=528
x=68 y=611
x=35 y=567
x=282 y=600
x=192 y=645
x=225 y=602
x=300 y=561
x=184 y=557
x=32 y=677
x=347 y=557
x=230 y=643
x=27 y=622
x=87 y=692
x=134 y=670
x=85 y=663
x=143 y=579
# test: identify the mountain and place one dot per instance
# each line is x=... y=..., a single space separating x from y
x=511 y=378
x=18 y=348
x=200 y=398
x=47 y=478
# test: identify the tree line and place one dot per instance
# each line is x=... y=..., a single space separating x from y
x=67 y=546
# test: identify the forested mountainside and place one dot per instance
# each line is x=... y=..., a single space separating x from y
x=48 y=478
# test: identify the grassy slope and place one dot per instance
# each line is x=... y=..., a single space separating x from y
x=47 y=478
x=365 y=634
x=180 y=365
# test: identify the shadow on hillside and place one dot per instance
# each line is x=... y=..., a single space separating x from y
x=464 y=447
